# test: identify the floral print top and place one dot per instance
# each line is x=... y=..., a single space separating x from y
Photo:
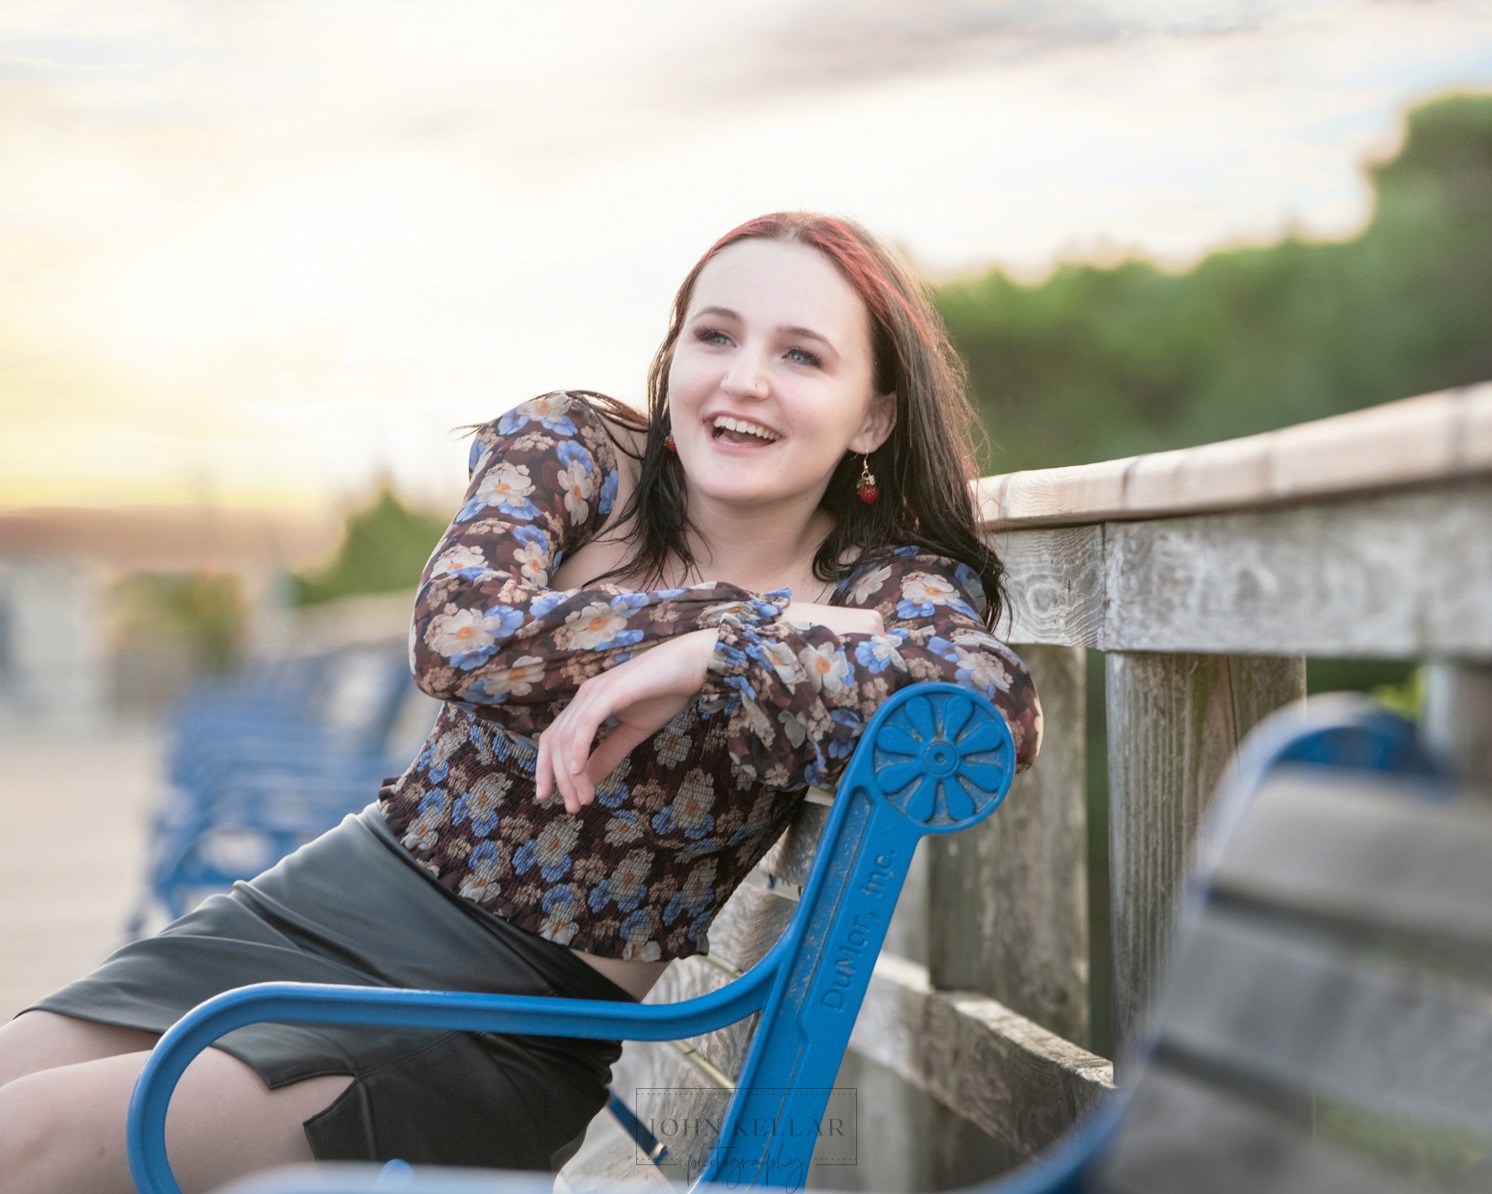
x=640 y=873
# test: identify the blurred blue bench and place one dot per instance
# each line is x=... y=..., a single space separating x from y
x=1327 y=1022
x=263 y=761
x=935 y=759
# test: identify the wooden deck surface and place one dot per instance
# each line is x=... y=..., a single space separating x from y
x=71 y=851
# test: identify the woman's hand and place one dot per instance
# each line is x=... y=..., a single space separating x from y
x=840 y=619
x=644 y=695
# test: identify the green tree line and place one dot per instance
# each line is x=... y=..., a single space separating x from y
x=1098 y=362
x=384 y=546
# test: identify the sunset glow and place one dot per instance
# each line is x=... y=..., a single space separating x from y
x=266 y=254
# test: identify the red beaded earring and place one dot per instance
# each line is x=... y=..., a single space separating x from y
x=668 y=443
x=867 y=489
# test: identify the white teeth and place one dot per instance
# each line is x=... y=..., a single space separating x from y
x=726 y=423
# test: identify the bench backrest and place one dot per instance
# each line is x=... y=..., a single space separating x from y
x=1328 y=1024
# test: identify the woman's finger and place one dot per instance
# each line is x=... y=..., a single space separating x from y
x=551 y=764
x=566 y=786
x=551 y=748
x=595 y=701
x=583 y=730
x=608 y=756
x=543 y=774
x=570 y=735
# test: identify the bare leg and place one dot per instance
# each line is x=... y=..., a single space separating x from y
x=36 y=1041
x=62 y=1128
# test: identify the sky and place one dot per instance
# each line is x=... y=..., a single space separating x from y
x=272 y=253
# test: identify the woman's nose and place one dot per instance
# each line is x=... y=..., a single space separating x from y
x=745 y=373
x=745 y=377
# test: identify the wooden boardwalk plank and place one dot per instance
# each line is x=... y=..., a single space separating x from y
x=72 y=856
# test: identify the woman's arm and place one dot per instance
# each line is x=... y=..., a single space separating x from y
x=641 y=696
x=798 y=690
x=487 y=628
x=803 y=693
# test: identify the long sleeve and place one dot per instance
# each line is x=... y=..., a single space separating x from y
x=798 y=696
x=487 y=629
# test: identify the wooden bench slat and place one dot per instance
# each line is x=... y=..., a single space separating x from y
x=1007 y=1075
x=1255 y=999
x=656 y=1065
x=725 y=1048
x=609 y=1160
x=750 y=923
x=1011 y=1077
x=1363 y=855
x=791 y=855
x=654 y=1076
x=747 y=927
x=1184 y=1137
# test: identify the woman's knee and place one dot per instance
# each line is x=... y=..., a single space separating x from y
x=51 y=1138
x=64 y=1129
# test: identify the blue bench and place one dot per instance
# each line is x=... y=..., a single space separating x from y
x=1327 y=1023
x=934 y=759
x=264 y=762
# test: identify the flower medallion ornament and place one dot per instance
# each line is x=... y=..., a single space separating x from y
x=944 y=758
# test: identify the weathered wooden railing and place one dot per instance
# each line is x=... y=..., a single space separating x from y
x=1206 y=576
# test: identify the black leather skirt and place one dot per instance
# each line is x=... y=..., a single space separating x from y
x=353 y=907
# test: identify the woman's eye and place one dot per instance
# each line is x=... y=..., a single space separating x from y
x=801 y=356
x=711 y=336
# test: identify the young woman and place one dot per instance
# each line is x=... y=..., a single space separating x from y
x=732 y=584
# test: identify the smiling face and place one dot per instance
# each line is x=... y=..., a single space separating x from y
x=771 y=381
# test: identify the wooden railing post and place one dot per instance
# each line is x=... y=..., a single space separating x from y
x=1009 y=898
x=1458 y=720
x=1173 y=723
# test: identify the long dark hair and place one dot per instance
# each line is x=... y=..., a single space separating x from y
x=925 y=465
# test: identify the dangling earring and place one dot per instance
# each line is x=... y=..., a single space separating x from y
x=668 y=443
x=867 y=490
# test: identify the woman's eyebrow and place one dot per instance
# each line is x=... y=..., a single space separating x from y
x=808 y=334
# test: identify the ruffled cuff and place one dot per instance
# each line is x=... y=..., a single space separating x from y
x=726 y=671
x=747 y=611
x=731 y=681
x=726 y=675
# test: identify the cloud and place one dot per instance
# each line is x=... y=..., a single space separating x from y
x=291 y=233
x=839 y=43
